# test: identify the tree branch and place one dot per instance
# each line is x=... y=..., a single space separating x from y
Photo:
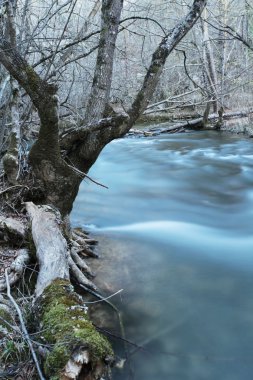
x=164 y=49
x=36 y=88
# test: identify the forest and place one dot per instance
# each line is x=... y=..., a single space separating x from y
x=125 y=129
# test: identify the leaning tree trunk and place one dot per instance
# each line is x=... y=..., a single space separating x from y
x=91 y=137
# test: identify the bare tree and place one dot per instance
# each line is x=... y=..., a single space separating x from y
x=58 y=162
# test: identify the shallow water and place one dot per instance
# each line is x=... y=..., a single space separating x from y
x=175 y=229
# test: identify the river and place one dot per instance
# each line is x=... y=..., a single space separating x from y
x=175 y=233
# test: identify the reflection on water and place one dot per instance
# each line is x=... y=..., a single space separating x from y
x=175 y=229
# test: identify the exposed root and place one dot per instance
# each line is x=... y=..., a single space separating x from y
x=81 y=241
x=79 y=232
x=79 y=276
x=80 y=262
x=88 y=252
x=75 y=244
x=83 y=237
x=16 y=269
x=74 y=348
x=91 y=241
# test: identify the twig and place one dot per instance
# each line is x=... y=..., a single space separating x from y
x=84 y=175
x=107 y=298
x=23 y=327
x=12 y=187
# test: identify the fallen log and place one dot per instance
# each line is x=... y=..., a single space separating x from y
x=195 y=124
x=77 y=350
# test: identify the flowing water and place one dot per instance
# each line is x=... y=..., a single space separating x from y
x=175 y=232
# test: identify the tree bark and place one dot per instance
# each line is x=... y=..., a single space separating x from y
x=101 y=86
x=209 y=64
x=58 y=180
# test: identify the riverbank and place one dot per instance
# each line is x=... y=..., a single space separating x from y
x=239 y=126
x=239 y=122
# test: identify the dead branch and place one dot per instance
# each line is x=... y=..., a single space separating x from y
x=23 y=327
x=84 y=175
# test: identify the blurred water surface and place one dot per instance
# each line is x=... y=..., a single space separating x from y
x=175 y=232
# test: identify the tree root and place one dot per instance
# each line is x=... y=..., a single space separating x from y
x=16 y=269
x=81 y=263
x=79 y=276
x=79 y=232
x=80 y=245
x=84 y=236
x=83 y=243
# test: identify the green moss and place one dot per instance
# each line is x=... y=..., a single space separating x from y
x=66 y=326
x=56 y=360
x=154 y=69
x=33 y=77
